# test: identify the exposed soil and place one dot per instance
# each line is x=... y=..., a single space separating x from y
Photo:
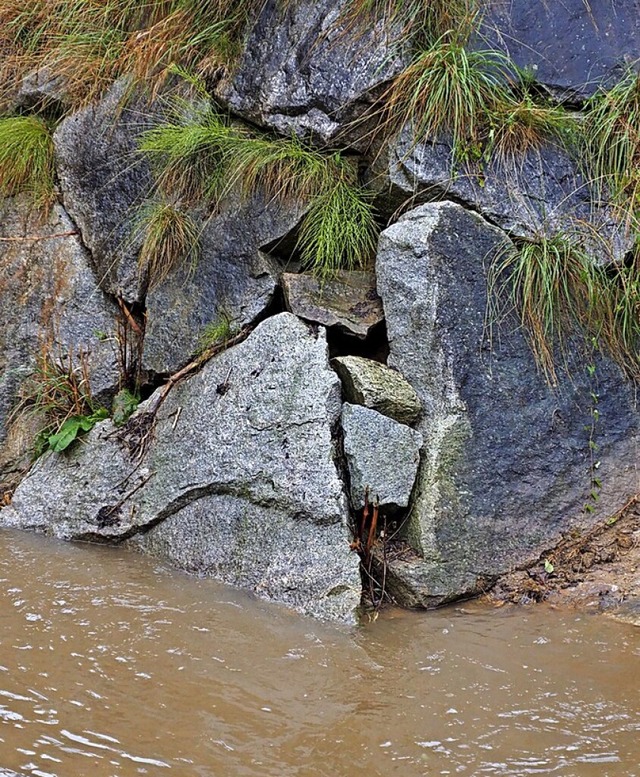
x=598 y=569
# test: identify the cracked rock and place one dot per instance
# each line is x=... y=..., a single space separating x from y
x=242 y=449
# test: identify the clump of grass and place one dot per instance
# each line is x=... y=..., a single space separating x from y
x=200 y=155
x=449 y=90
x=169 y=238
x=89 y=43
x=522 y=122
x=612 y=136
x=558 y=292
x=26 y=159
x=339 y=230
x=216 y=333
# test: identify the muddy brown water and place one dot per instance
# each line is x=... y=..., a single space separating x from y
x=113 y=665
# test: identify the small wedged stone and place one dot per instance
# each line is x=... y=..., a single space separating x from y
x=243 y=448
x=382 y=456
x=348 y=301
x=374 y=385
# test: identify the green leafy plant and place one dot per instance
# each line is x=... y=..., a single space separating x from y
x=169 y=237
x=26 y=159
x=124 y=405
x=58 y=393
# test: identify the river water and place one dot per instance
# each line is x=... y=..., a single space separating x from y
x=111 y=664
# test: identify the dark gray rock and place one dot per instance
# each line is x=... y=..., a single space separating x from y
x=42 y=88
x=104 y=182
x=572 y=47
x=306 y=71
x=243 y=447
x=231 y=279
x=347 y=301
x=540 y=194
x=506 y=464
x=49 y=303
x=382 y=456
x=372 y=384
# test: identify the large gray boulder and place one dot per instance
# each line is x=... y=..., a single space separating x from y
x=307 y=70
x=231 y=279
x=572 y=47
x=104 y=182
x=235 y=477
x=49 y=305
x=382 y=456
x=540 y=193
x=507 y=462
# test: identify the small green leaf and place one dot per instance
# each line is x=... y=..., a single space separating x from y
x=66 y=435
x=548 y=566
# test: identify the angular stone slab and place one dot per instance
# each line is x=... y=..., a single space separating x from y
x=374 y=385
x=49 y=299
x=231 y=279
x=506 y=462
x=382 y=456
x=348 y=301
x=541 y=193
x=250 y=434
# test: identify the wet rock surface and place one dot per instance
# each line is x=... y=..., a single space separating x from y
x=374 y=385
x=104 y=182
x=230 y=279
x=483 y=461
x=251 y=435
x=306 y=71
x=348 y=301
x=49 y=306
x=542 y=193
x=572 y=47
x=382 y=457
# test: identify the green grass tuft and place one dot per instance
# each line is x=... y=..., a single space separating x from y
x=169 y=238
x=612 y=138
x=216 y=333
x=26 y=159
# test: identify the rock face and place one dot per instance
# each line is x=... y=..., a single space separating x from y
x=104 y=182
x=541 y=194
x=573 y=47
x=349 y=301
x=240 y=466
x=506 y=462
x=382 y=456
x=49 y=303
x=231 y=278
x=374 y=385
x=308 y=70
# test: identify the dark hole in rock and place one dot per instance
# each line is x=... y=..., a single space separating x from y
x=375 y=346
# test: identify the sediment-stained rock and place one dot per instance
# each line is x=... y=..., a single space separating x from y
x=243 y=448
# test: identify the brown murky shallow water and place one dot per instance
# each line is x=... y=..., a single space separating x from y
x=111 y=665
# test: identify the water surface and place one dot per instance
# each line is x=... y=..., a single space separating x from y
x=112 y=666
